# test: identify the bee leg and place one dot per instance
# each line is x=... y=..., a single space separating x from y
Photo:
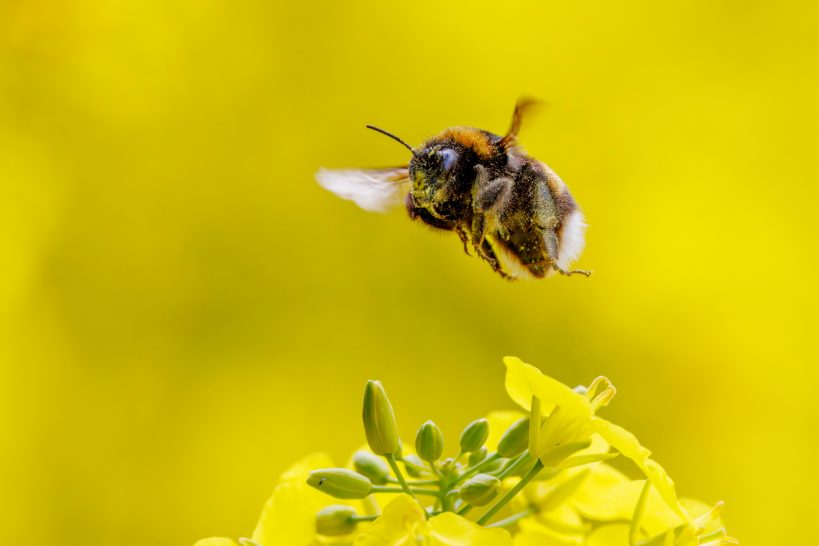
x=571 y=272
x=488 y=254
x=551 y=247
x=464 y=236
x=492 y=194
x=489 y=200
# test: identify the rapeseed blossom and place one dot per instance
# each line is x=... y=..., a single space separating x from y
x=536 y=477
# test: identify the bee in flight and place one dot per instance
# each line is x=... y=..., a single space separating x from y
x=510 y=208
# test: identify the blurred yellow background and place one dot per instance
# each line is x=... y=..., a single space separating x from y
x=184 y=311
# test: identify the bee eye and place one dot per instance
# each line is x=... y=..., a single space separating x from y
x=448 y=158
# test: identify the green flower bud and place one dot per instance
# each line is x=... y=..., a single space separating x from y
x=495 y=467
x=340 y=483
x=429 y=442
x=474 y=435
x=477 y=456
x=515 y=439
x=414 y=466
x=379 y=420
x=448 y=466
x=480 y=490
x=371 y=466
x=335 y=520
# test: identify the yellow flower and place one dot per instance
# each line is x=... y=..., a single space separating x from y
x=571 y=421
x=542 y=476
x=561 y=422
x=608 y=495
x=289 y=516
x=404 y=523
x=705 y=529
x=627 y=444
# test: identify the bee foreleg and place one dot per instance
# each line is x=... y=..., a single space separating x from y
x=492 y=195
x=490 y=198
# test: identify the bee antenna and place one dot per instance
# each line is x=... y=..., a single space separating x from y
x=392 y=136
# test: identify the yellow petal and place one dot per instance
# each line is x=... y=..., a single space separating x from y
x=289 y=517
x=534 y=534
x=612 y=502
x=563 y=524
x=215 y=542
x=523 y=381
x=609 y=535
x=623 y=441
x=450 y=529
x=402 y=521
x=608 y=495
x=627 y=444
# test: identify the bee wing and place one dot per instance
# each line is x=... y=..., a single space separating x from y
x=375 y=190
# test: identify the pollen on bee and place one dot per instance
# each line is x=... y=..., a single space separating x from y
x=471 y=138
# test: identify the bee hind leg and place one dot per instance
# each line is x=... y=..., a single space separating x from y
x=489 y=201
x=551 y=247
x=571 y=272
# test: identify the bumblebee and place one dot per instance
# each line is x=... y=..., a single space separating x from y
x=512 y=210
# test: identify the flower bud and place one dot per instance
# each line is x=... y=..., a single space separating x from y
x=429 y=442
x=335 y=520
x=495 y=466
x=379 y=420
x=477 y=456
x=515 y=439
x=340 y=483
x=447 y=466
x=474 y=435
x=371 y=466
x=480 y=490
x=414 y=466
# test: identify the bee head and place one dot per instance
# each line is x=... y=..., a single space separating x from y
x=436 y=164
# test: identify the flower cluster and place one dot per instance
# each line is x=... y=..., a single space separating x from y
x=537 y=477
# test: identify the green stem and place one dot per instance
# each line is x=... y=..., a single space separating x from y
x=359 y=519
x=415 y=482
x=397 y=471
x=514 y=465
x=512 y=492
x=475 y=469
x=463 y=510
x=409 y=490
x=514 y=518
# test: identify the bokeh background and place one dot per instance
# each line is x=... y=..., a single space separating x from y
x=183 y=311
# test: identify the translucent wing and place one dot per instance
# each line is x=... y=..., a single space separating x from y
x=375 y=190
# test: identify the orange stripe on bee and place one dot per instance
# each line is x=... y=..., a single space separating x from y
x=471 y=138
